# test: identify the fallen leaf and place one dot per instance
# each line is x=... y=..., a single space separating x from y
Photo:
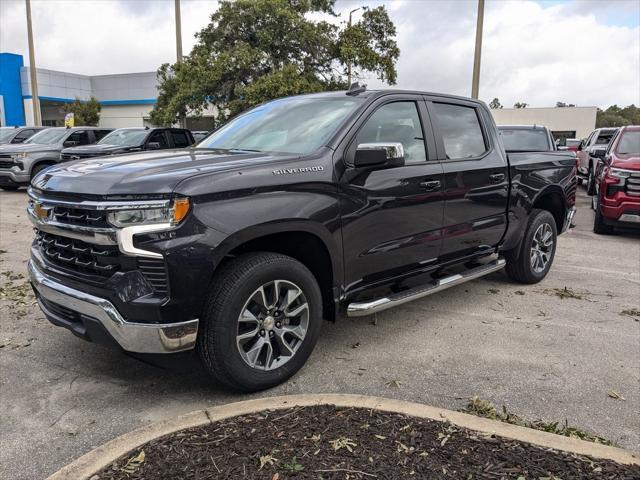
x=615 y=395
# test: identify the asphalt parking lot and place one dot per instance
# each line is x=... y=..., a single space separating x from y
x=525 y=347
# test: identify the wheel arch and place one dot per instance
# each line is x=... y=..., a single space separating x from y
x=310 y=244
x=552 y=199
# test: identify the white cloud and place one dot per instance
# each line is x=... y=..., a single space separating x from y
x=586 y=53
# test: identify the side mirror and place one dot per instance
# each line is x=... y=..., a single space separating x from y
x=18 y=140
x=598 y=152
x=153 y=146
x=372 y=154
x=69 y=143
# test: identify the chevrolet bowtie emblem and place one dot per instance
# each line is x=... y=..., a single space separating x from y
x=41 y=211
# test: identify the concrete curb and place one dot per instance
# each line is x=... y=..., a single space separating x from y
x=101 y=457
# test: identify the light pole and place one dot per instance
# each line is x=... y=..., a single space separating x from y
x=35 y=100
x=475 y=83
x=183 y=120
x=349 y=64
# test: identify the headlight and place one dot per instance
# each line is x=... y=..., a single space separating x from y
x=18 y=156
x=172 y=215
x=619 y=173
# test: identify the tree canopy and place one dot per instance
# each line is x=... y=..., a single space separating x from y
x=520 y=105
x=85 y=113
x=614 y=116
x=495 y=104
x=257 y=50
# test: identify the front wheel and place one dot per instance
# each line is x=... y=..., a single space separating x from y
x=531 y=262
x=591 y=182
x=261 y=321
x=599 y=226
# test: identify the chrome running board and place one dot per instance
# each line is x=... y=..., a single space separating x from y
x=360 y=309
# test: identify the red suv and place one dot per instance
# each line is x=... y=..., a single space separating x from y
x=617 y=197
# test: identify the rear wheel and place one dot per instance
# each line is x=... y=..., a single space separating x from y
x=531 y=262
x=599 y=226
x=261 y=321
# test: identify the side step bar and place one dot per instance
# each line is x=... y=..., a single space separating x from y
x=361 y=309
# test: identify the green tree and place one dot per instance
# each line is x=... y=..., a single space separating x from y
x=85 y=113
x=562 y=104
x=257 y=50
x=520 y=105
x=614 y=116
x=495 y=104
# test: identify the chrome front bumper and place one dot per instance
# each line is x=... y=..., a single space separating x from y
x=132 y=337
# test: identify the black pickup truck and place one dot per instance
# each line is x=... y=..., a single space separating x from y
x=303 y=208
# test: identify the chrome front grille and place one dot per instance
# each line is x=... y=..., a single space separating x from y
x=633 y=185
x=82 y=217
x=81 y=257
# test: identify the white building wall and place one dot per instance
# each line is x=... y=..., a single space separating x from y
x=54 y=84
x=120 y=116
x=580 y=119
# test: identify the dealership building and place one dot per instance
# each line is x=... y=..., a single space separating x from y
x=127 y=100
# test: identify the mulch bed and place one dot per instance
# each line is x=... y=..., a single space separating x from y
x=326 y=442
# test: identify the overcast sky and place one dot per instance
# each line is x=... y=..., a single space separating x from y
x=585 y=52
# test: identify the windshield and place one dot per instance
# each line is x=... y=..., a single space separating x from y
x=292 y=125
x=526 y=140
x=52 y=135
x=6 y=133
x=125 y=137
x=629 y=143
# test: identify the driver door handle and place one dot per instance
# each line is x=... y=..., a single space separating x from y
x=430 y=185
x=497 y=177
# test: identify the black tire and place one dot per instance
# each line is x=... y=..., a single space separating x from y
x=231 y=289
x=38 y=168
x=599 y=226
x=10 y=188
x=519 y=266
x=591 y=182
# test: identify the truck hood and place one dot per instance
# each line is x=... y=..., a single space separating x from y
x=29 y=147
x=96 y=149
x=145 y=172
x=629 y=162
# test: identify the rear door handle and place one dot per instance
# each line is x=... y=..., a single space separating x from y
x=497 y=177
x=430 y=185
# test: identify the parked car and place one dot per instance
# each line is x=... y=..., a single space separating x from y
x=527 y=138
x=586 y=162
x=617 y=186
x=15 y=135
x=126 y=140
x=301 y=208
x=572 y=144
x=199 y=134
x=20 y=163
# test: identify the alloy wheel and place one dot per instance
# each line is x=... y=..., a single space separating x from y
x=272 y=325
x=541 y=248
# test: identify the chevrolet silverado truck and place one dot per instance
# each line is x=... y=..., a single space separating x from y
x=125 y=140
x=20 y=163
x=616 y=199
x=303 y=208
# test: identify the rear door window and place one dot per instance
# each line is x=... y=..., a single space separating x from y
x=100 y=134
x=180 y=139
x=460 y=129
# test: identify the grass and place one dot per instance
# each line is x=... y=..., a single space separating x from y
x=484 y=408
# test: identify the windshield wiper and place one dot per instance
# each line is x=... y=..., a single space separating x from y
x=244 y=150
